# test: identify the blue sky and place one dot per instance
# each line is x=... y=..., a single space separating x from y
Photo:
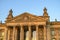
x=32 y=6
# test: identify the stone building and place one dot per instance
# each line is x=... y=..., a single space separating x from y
x=27 y=26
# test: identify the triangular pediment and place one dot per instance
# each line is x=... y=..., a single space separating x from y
x=27 y=17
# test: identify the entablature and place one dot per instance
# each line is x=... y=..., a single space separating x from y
x=55 y=23
x=26 y=23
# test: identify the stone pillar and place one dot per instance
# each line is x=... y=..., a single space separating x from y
x=21 y=33
x=6 y=34
x=14 y=33
x=57 y=36
x=30 y=34
x=37 y=36
x=48 y=33
x=45 y=32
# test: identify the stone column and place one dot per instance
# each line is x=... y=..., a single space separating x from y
x=37 y=36
x=21 y=33
x=45 y=32
x=6 y=34
x=30 y=34
x=14 y=33
x=57 y=36
x=48 y=33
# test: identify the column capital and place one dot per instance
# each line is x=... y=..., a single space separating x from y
x=29 y=26
x=36 y=25
x=44 y=25
x=21 y=27
x=6 y=28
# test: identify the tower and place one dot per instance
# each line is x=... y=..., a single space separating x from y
x=45 y=15
x=45 y=12
x=10 y=16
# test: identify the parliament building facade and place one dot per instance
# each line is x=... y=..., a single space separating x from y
x=27 y=26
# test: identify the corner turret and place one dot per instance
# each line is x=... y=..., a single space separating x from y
x=10 y=16
x=45 y=15
x=0 y=22
x=45 y=12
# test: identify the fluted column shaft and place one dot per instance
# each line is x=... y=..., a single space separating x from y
x=57 y=37
x=21 y=33
x=45 y=32
x=37 y=36
x=30 y=34
x=13 y=33
x=6 y=34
